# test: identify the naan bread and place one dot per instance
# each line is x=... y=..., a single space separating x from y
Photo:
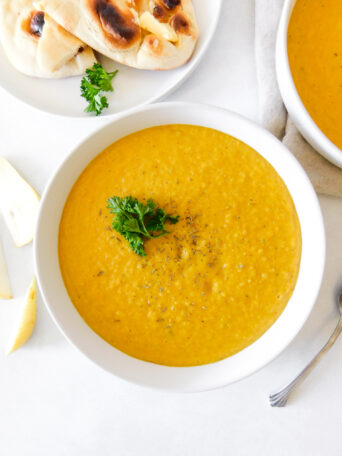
x=146 y=34
x=37 y=46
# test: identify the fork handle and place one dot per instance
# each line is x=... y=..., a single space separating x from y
x=279 y=399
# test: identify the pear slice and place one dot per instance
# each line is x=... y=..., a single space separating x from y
x=27 y=320
x=148 y=22
x=19 y=204
x=5 y=287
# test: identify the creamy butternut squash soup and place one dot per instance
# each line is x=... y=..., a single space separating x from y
x=315 y=55
x=217 y=281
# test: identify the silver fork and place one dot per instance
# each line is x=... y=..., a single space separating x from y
x=280 y=398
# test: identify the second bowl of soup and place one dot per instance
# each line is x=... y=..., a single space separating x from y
x=309 y=69
x=180 y=247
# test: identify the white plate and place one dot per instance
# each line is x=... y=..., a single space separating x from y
x=197 y=378
x=132 y=87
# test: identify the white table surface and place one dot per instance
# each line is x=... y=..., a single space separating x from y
x=54 y=402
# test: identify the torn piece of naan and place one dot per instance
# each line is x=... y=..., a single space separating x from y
x=37 y=46
x=146 y=34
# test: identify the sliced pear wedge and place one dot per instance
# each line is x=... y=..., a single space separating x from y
x=27 y=320
x=148 y=22
x=5 y=287
x=19 y=204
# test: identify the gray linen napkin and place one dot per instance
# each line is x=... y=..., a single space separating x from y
x=325 y=177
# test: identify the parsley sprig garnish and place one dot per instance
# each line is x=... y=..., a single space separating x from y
x=137 y=222
x=96 y=81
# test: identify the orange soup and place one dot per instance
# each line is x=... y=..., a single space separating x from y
x=217 y=281
x=315 y=55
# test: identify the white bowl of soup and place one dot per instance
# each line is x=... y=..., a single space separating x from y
x=224 y=290
x=309 y=71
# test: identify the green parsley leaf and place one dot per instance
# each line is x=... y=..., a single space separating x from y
x=135 y=221
x=131 y=225
x=97 y=80
x=96 y=104
x=136 y=243
x=156 y=222
x=98 y=76
x=171 y=219
x=88 y=91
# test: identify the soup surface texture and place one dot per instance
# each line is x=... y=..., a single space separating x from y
x=213 y=285
x=315 y=56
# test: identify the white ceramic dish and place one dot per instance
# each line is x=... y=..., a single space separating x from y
x=293 y=103
x=192 y=378
x=133 y=87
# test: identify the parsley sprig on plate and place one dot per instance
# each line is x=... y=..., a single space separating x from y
x=97 y=81
x=137 y=222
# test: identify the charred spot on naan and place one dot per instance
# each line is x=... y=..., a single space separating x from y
x=154 y=44
x=34 y=24
x=171 y=4
x=37 y=23
x=162 y=10
x=181 y=24
x=120 y=26
x=160 y=13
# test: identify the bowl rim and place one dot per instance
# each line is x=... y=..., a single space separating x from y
x=294 y=105
x=198 y=378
